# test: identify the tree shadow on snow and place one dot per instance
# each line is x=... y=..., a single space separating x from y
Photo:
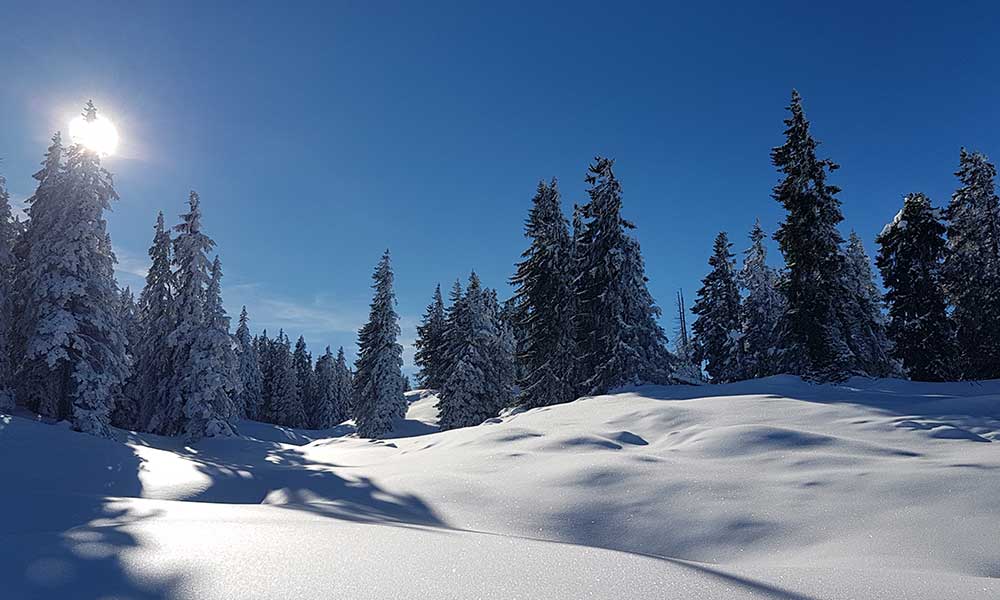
x=249 y=471
x=63 y=534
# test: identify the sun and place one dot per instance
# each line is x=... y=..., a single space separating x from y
x=99 y=134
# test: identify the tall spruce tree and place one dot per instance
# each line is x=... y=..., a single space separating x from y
x=865 y=324
x=343 y=388
x=283 y=403
x=545 y=297
x=200 y=391
x=153 y=366
x=469 y=396
x=760 y=311
x=126 y=412
x=619 y=340
x=10 y=230
x=325 y=392
x=430 y=343
x=687 y=369
x=74 y=360
x=378 y=382
x=302 y=363
x=910 y=257
x=717 y=334
x=972 y=267
x=811 y=245
x=248 y=402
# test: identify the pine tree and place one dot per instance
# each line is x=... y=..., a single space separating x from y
x=761 y=310
x=201 y=389
x=126 y=412
x=325 y=412
x=10 y=230
x=687 y=369
x=503 y=371
x=717 y=335
x=619 y=340
x=249 y=402
x=864 y=324
x=284 y=406
x=302 y=363
x=972 y=267
x=452 y=329
x=153 y=367
x=469 y=396
x=430 y=343
x=547 y=304
x=378 y=382
x=911 y=252
x=343 y=399
x=74 y=361
x=810 y=242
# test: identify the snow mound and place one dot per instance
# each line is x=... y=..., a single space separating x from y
x=765 y=489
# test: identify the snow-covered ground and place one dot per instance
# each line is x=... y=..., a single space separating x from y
x=764 y=489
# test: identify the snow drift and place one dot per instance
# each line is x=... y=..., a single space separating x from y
x=764 y=489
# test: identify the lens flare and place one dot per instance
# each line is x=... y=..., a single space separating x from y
x=100 y=135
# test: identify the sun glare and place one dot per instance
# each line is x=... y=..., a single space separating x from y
x=99 y=135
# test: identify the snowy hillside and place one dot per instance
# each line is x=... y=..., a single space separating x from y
x=764 y=489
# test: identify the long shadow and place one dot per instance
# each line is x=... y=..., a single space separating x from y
x=61 y=535
x=250 y=471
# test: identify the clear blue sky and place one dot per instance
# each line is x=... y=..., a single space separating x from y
x=319 y=134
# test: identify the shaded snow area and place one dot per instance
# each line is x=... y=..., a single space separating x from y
x=764 y=489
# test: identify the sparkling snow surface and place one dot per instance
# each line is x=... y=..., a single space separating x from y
x=764 y=489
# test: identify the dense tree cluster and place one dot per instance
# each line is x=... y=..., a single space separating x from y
x=822 y=315
x=581 y=320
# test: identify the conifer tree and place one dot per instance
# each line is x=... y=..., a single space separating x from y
x=74 y=360
x=865 y=325
x=717 y=335
x=911 y=252
x=126 y=411
x=325 y=411
x=452 y=329
x=810 y=242
x=285 y=406
x=153 y=366
x=547 y=304
x=761 y=310
x=687 y=369
x=248 y=402
x=343 y=388
x=378 y=382
x=972 y=267
x=302 y=363
x=469 y=396
x=619 y=340
x=9 y=233
x=430 y=343
x=201 y=390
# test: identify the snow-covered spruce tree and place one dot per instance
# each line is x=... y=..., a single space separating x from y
x=343 y=386
x=378 y=381
x=911 y=251
x=811 y=245
x=265 y=360
x=10 y=230
x=200 y=391
x=503 y=372
x=619 y=340
x=248 y=402
x=972 y=267
x=302 y=363
x=468 y=396
x=153 y=368
x=75 y=350
x=453 y=329
x=325 y=392
x=717 y=335
x=761 y=310
x=126 y=412
x=430 y=343
x=285 y=403
x=687 y=369
x=864 y=323
x=544 y=295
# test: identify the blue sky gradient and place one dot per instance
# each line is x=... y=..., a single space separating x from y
x=320 y=133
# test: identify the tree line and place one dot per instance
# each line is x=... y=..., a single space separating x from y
x=581 y=320
x=821 y=316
